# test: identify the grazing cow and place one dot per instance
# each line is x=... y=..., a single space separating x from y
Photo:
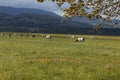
x=27 y=35
x=80 y=39
x=21 y=35
x=68 y=36
x=42 y=35
x=48 y=37
x=2 y=34
x=91 y=37
x=15 y=34
x=71 y=36
x=33 y=35
x=9 y=34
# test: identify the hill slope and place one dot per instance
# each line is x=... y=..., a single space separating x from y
x=17 y=11
x=39 y=23
x=45 y=22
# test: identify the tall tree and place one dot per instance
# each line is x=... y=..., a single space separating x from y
x=104 y=10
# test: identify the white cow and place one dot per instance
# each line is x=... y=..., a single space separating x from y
x=71 y=36
x=2 y=34
x=48 y=37
x=68 y=36
x=80 y=39
x=91 y=37
x=15 y=34
x=42 y=35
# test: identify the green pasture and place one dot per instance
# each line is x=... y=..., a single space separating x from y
x=27 y=58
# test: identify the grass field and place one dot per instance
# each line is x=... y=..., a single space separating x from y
x=27 y=58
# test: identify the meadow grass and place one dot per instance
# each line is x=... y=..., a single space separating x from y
x=27 y=58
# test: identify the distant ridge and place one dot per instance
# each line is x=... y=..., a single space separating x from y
x=17 y=11
x=40 y=21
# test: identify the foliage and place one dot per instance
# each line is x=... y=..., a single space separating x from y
x=104 y=10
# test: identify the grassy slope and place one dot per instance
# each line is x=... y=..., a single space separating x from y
x=29 y=58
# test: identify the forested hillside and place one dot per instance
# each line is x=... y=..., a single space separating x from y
x=38 y=23
x=48 y=23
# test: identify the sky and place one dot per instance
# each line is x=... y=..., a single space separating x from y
x=49 y=6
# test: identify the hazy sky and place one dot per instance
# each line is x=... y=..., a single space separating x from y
x=31 y=4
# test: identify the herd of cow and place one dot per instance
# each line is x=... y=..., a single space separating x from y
x=47 y=37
